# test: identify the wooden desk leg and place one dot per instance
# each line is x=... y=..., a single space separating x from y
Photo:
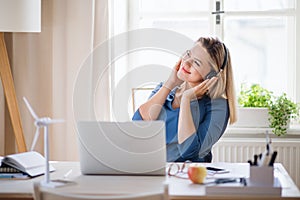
x=9 y=92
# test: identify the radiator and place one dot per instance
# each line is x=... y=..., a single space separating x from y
x=241 y=150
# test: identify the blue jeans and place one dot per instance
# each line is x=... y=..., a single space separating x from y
x=207 y=158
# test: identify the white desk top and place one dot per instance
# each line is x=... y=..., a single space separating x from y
x=181 y=188
x=178 y=188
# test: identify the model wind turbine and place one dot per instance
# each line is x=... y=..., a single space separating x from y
x=39 y=123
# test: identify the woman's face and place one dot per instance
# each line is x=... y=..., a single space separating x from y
x=194 y=65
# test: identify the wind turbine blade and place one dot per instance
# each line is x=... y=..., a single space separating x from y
x=30 y=109
x=37 y=133
x=53 y=121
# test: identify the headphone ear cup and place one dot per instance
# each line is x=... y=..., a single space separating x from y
x=211 y=74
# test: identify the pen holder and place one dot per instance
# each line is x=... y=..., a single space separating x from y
x=262 y=176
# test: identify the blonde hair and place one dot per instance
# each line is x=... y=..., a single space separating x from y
x=225 y=84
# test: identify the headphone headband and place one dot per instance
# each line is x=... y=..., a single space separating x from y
x=213 y=73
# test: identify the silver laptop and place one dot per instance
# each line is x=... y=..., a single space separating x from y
x=136 y=147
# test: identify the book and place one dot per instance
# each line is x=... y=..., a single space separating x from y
x=237 y=189
x=7 y=169
x=14 y=176
x=30 y=163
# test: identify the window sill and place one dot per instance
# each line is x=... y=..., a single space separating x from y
x=293 y=132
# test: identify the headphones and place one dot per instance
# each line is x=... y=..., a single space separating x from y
x=213 y=73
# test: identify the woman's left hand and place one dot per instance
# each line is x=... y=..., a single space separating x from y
x=173 y=79
x=200 y=90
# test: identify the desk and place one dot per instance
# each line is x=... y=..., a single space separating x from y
x=104 y=185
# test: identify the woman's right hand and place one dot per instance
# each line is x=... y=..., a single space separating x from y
x=173 y=80
x=200 y=90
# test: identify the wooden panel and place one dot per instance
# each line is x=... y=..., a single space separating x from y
x=9 y=92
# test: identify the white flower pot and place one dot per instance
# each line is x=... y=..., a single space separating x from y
x=252 y=118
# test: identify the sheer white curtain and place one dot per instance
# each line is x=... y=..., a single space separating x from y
x=46 y=65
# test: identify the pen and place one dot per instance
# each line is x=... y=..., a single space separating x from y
x=261 y=160
x=273 y=158
x=225 y=180
x=264 y=161
x=9 y=176
x=6 y=176
x=268 y=142
x=268 y=148
x=255 y=160
x=67 y=174
x=243 y=181
x=250 y=162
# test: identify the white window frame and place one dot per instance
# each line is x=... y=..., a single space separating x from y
x=297 y=50
x=131 y=15
x=294 y=65
x=294 y=61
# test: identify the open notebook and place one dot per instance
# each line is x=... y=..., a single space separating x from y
x=31 y=163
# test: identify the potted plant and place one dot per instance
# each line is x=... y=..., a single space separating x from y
x=256 y=96
x=253 y=107
x=280 y=109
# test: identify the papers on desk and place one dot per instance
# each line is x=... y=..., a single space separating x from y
x=238 y=189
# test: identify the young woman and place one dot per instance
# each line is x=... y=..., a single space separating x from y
x=195 y=102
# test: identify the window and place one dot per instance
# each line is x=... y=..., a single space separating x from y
x=261 y=36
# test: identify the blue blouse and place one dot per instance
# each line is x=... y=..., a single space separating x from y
x=210 y=118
